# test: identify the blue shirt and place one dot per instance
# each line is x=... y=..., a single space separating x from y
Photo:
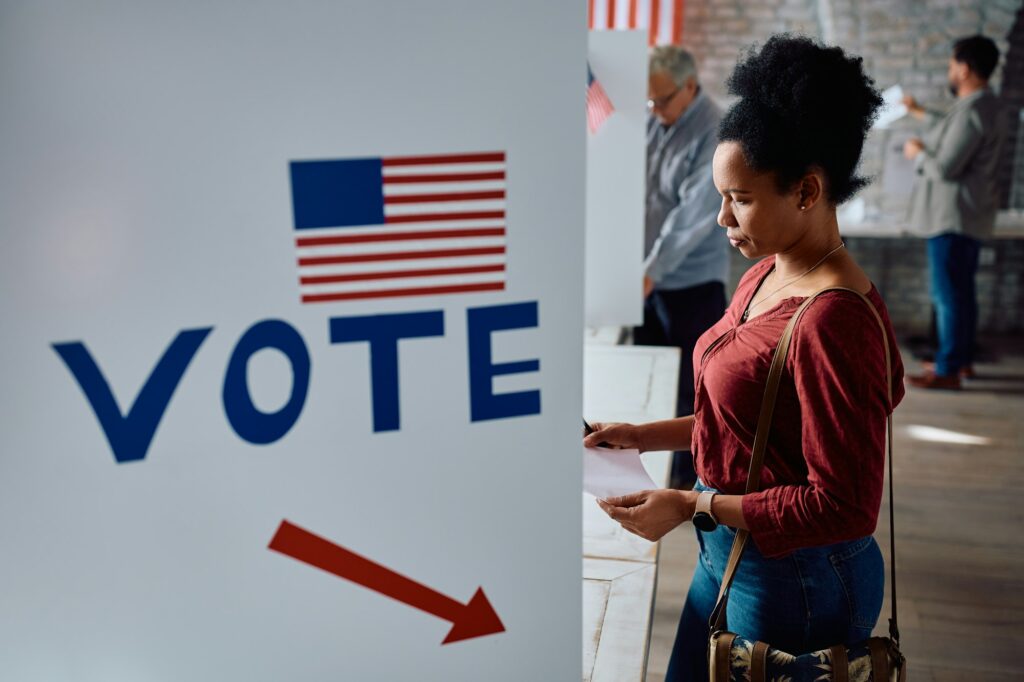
x=684 y=244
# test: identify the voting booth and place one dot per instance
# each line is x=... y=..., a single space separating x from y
x=292 y=302
x=616 y=168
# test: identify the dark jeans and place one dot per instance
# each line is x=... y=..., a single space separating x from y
x=812 y=599
x=678 y=317
x=953 y=262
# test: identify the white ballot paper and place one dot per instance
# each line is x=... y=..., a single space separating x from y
x=892 y=109
x=611 y=473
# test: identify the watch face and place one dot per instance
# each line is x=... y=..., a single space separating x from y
x=704 y=521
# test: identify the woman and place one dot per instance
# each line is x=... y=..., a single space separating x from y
x=813 y=575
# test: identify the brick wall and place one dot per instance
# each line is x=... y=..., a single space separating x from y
x=902 y=41
x=1012 y=94
x=905 y=42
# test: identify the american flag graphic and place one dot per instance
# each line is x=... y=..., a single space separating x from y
x=663 y=19
x=599 y=107
x=399 y=226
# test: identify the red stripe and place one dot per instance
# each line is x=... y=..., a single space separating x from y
x=652 y=37
x=433 y=272
x=401 y=255
x=398 y=236
x=677 y=26
x=424 y=291
x=442 y=177
x=443 y=158
x=590 y=14
x=458 y=196
x=632 y=14
x=611 y=14
x=434 y=217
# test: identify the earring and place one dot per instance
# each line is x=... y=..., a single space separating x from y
x=802 y=207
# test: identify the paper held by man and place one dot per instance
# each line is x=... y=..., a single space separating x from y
x=611 y=473
x=893 y=108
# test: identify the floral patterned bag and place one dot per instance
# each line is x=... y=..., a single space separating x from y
x=733 y=658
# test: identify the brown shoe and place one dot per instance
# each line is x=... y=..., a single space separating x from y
x=966 y=372
x=932 y=380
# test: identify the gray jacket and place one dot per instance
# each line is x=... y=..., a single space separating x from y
x=956 y=188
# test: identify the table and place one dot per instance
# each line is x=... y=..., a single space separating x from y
x=1009 y=225
x=631 y=384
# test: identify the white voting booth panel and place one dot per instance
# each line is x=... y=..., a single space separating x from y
x=172 y=404
x=616 y=161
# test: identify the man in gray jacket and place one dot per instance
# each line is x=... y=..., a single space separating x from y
x=954 y=201
x=687 y=254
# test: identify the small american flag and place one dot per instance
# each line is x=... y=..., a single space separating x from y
x=399 y=226
x=599 y=107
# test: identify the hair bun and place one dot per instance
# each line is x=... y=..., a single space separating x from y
x=802 y=104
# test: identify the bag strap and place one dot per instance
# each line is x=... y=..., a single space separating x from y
x=717 y=620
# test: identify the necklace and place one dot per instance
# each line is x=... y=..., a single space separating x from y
x=753 y=304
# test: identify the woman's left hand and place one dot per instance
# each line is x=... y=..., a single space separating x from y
x=651 y=513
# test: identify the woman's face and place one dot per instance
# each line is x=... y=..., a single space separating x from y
x=758 y=220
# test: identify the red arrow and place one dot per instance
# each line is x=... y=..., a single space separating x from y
x=475 y=619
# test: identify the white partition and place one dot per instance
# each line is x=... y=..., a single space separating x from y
x=616 y=163
x=152 y=199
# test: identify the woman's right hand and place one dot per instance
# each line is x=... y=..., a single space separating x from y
x=615 y=435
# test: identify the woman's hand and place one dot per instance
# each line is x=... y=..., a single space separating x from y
x=651 y=513
x=617 y=435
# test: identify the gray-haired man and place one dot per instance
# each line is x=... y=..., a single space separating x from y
x=687 y=259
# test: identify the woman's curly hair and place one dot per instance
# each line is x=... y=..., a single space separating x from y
x=803 y=105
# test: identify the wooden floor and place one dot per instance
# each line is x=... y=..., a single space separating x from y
x=959 y=529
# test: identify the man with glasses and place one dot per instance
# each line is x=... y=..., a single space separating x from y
x=687 y=259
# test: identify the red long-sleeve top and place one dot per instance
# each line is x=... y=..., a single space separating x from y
x=824 y=464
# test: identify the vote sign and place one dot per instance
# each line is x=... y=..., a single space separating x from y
x=292 y=342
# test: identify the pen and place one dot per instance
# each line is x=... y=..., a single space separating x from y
x=588 y=429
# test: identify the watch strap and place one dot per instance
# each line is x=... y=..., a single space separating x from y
x=704 y=503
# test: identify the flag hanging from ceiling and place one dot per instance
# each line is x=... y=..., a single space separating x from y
x=663 y=19
x=599 y=107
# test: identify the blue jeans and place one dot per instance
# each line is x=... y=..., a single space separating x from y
x=953 y=262
x=814 y=598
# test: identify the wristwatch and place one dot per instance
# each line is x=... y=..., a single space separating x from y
x=703 y=519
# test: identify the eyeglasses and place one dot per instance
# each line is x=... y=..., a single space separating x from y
x=661 y=102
